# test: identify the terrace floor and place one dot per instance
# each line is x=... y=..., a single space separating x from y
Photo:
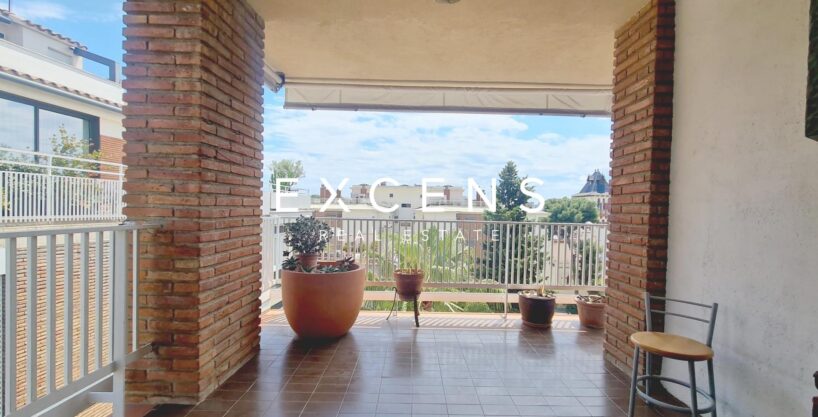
x=453 y=365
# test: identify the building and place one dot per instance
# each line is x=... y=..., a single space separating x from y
x=55 y=94
x=48 y=81
x=598 y=191
x=444 y=203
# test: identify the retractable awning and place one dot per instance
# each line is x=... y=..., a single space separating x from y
x=592 y=101
x=518 y=56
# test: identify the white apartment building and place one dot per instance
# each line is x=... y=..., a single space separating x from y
x=48 y=81
x=53 y=88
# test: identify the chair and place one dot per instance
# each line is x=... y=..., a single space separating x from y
x=673 y=347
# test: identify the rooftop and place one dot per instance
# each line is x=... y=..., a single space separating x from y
x=596 y=184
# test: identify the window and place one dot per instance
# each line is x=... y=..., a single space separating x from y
x=32 y=126
x=17 y=125
x=51 y=124
x=391 y=195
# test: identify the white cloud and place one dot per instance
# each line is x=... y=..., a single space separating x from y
x=41 y=10
x=409 y=146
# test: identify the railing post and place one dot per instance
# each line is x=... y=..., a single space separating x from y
x=507 y=263
x=119 y=316
x=120 y=193
x=49 y=198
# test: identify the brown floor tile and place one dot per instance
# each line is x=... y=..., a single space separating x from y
x=392 y=369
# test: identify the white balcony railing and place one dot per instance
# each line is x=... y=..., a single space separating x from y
x=70 y=318
x=457 y=254
x=44 y=188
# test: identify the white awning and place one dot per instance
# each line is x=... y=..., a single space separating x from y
x=533 y=100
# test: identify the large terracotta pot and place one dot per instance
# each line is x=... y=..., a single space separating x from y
x=537 y=311
x=591 y=314
x=322 y=305
x=409 y=283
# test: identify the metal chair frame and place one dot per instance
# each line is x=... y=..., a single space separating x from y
x=694 y=409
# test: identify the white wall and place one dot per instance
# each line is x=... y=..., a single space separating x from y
x=110 y=121
x=744 y=199
x=49 y=69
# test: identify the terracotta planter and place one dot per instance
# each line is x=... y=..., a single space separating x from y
x=537 y=311
x=409 y=283
x=591 y=314
x=310 y=260
x=321 y=306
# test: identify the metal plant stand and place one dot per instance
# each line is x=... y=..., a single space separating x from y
x=395 y=304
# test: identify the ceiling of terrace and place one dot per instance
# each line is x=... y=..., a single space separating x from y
x=546 y=46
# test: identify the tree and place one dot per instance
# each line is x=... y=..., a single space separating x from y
x=62 y=144
x=524 y=253
x=509 y=196
x=286 y=168
x=588 y=262
x=571 y=210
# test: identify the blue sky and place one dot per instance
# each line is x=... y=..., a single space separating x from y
x=364 y=146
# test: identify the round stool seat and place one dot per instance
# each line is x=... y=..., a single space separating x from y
x=672 y=346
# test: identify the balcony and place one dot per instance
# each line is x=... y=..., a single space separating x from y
x=86 y=329
x=455 y=364
x=731 y=222
x=41 y=188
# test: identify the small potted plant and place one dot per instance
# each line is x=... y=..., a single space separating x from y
x=307 y=237
x=537 y=307
x=321 y=299
x=408 y=280
x=591 y=309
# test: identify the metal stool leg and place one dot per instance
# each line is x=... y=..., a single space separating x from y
x=417 y=313
x=694 y=403
x=394 y=303
x=634 y=375
x=712 y=377
x=648 y=372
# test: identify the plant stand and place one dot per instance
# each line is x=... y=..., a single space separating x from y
x=395 y=304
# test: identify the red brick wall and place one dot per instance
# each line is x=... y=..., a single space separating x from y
x=21 y=330
x=111 y=149
x=640 y=171
x=193 y=135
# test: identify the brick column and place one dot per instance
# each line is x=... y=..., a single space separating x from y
x=193 y=136
x=640 y=172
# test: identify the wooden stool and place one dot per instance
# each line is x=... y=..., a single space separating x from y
x=673 y=347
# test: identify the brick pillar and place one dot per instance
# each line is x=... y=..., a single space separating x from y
x=640 y=171
x=193 y=135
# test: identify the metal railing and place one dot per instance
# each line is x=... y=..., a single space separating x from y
x=431 y=202
x=458 y=254
x=37 y=187
x=71 y=318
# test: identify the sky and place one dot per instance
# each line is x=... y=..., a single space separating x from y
x=364 y=146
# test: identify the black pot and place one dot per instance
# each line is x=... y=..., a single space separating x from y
x=537 y=311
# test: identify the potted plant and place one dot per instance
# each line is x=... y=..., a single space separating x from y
x=537 y=307
x=591 y=309
x=307 y=236
x=323 y=300
x=408 y=279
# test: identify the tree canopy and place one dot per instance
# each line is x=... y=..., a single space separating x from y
x=286 y=168
x=509 y=195
x=571 y=210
